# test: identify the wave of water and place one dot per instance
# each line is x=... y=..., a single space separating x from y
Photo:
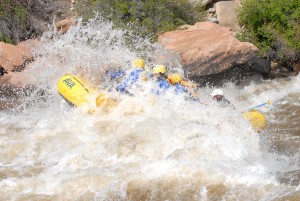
x=161 y=148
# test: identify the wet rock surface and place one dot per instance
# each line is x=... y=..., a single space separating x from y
x=208 y=50
x=13 y=84
x=13 y=56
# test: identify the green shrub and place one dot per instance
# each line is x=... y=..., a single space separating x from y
x=21 y=13
x=145 y=17
x=11 y=8
x=5 y=39
x=273 y=26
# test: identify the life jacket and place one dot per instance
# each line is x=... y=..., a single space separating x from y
x=179 y=88
x=187 y=83
x=132 y=78
x=115 y=74
x=163 y=86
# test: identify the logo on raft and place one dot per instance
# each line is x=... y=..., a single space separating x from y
x=69 y=83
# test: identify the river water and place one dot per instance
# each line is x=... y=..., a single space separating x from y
x=146 y=147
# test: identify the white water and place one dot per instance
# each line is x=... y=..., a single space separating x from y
x=169 y=150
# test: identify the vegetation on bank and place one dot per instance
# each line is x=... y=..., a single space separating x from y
x=23 y=19
x=6 y=39
x=13 y=9
x=273 y=26
x=147 y=17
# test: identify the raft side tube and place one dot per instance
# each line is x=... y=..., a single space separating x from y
x=73 y=89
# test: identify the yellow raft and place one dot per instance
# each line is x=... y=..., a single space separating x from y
x=78 y=93
x=256 y=118
x=73 y=89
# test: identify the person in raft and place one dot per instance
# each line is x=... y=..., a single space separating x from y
x=175 y=80
x=218 y=96
x=160 y=77
x=133 y=77
x=116 y=74
x=184 y=86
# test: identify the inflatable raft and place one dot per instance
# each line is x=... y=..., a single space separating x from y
x=74 y=90
x=78 y=93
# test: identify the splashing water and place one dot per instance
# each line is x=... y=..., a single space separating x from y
x=166 y=149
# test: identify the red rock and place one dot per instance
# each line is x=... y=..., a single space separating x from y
x=14 y=79
x=64 y=25
x=207 y=48
x=12 y=85
x=32 y=44
x=12 y=56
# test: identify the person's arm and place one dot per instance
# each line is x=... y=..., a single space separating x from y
x=227 y=103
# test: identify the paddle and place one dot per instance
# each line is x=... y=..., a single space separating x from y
x=267 y=102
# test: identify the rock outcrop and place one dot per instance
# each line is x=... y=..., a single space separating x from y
x=64 y=25
x=226 y=12
x=12 y=57
x=13 y=60
x=208 y=49
x=202 y=2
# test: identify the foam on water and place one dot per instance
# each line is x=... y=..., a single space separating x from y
x=147 y=147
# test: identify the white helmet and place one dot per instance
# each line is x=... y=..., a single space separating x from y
x=217 y=92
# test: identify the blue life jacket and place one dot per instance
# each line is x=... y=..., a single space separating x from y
x=132 y=78
x=180 y=89
x=163 y=86
x=115 y=74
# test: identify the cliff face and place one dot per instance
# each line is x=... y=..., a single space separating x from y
x=21 y=19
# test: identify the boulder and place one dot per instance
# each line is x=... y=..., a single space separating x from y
x=213 y=19
x=13 y=84
x=64 y=25
x=202 y=2
x=226 y=12
x=211 y=10
x=260 y=66
x=13 y=80
x=208 y=49
x=206 y=2
x=31 y=44
x=13 y=57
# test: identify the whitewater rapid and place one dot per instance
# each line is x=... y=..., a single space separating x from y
x=147 y=147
